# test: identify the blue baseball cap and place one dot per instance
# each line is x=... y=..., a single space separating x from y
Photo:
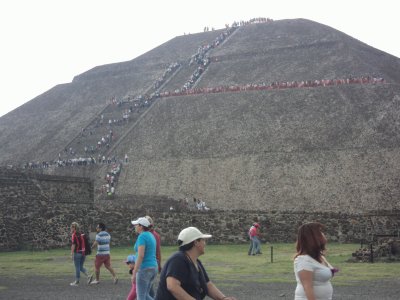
x=130 y=259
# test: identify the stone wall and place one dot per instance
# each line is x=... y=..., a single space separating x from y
x=232 y=226
x=36 y=210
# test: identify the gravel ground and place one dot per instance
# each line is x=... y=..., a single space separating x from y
x=36 y=287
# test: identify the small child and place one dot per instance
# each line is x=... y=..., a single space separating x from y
x=130 y=261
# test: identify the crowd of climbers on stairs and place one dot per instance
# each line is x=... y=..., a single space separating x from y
x=168 y=72
x=276 y=85
x=94 y=141
x=111 y=180
x=92 y=145
x=244 y=23
x=98 y=137
x=73 y=162
x=201 y=57
x=89 y=155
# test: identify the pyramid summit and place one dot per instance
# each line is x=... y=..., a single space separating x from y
x=279 y=115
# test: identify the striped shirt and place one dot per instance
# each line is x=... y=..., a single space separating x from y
x=103 y=243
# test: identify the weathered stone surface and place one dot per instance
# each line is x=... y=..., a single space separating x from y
x=39 y=217
x=41 y=208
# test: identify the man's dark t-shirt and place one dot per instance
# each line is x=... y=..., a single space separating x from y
x=181 y=268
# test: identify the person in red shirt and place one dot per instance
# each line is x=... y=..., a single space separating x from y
x=255 y=247
x=78 y=254
x=249 y=233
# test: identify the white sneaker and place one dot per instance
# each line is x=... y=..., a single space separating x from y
x=74 y=283
x=95 y=282
x=115 y=280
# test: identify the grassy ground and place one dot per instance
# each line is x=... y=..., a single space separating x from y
x=224 y=263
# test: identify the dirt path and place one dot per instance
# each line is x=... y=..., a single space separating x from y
x=36 y=287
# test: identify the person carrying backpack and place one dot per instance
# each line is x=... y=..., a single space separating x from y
x=78 y=254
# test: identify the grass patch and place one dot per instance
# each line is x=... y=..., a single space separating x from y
x=226 y=264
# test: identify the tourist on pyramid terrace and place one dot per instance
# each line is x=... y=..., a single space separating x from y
x=313 y=272
x=102 y=243
x=145 y=270
x=183 y=275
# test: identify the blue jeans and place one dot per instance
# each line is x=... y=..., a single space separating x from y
x=144 y=282
x=79 y=260
x=256 y=246
x=249 y=252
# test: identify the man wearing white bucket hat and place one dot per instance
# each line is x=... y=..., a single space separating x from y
x=183 y=275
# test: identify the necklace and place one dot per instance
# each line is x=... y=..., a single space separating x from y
x=195 y=264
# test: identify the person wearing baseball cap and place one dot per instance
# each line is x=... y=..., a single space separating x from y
x=145 y=269
x=183 y=275
x=130 y=262
x=141 y=221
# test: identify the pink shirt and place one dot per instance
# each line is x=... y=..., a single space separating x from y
x=253 y=231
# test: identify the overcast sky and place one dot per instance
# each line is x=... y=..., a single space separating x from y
x=48 y=42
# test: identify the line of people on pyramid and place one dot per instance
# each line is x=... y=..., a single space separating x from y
x=276 y=85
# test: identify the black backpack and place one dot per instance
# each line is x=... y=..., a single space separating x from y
x=88 y=247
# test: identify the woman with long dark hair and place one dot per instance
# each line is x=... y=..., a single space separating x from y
x=313 y=272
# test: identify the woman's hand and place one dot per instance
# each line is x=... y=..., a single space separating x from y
x=133 y=276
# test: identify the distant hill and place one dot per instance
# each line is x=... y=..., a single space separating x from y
x=319 y=148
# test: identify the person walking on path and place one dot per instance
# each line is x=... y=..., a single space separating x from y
x=251 y=240
x=183 y=275
x=78 y=254
x=145 y=270
x=312 y=271
x=102 y=243
x=254 y=234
